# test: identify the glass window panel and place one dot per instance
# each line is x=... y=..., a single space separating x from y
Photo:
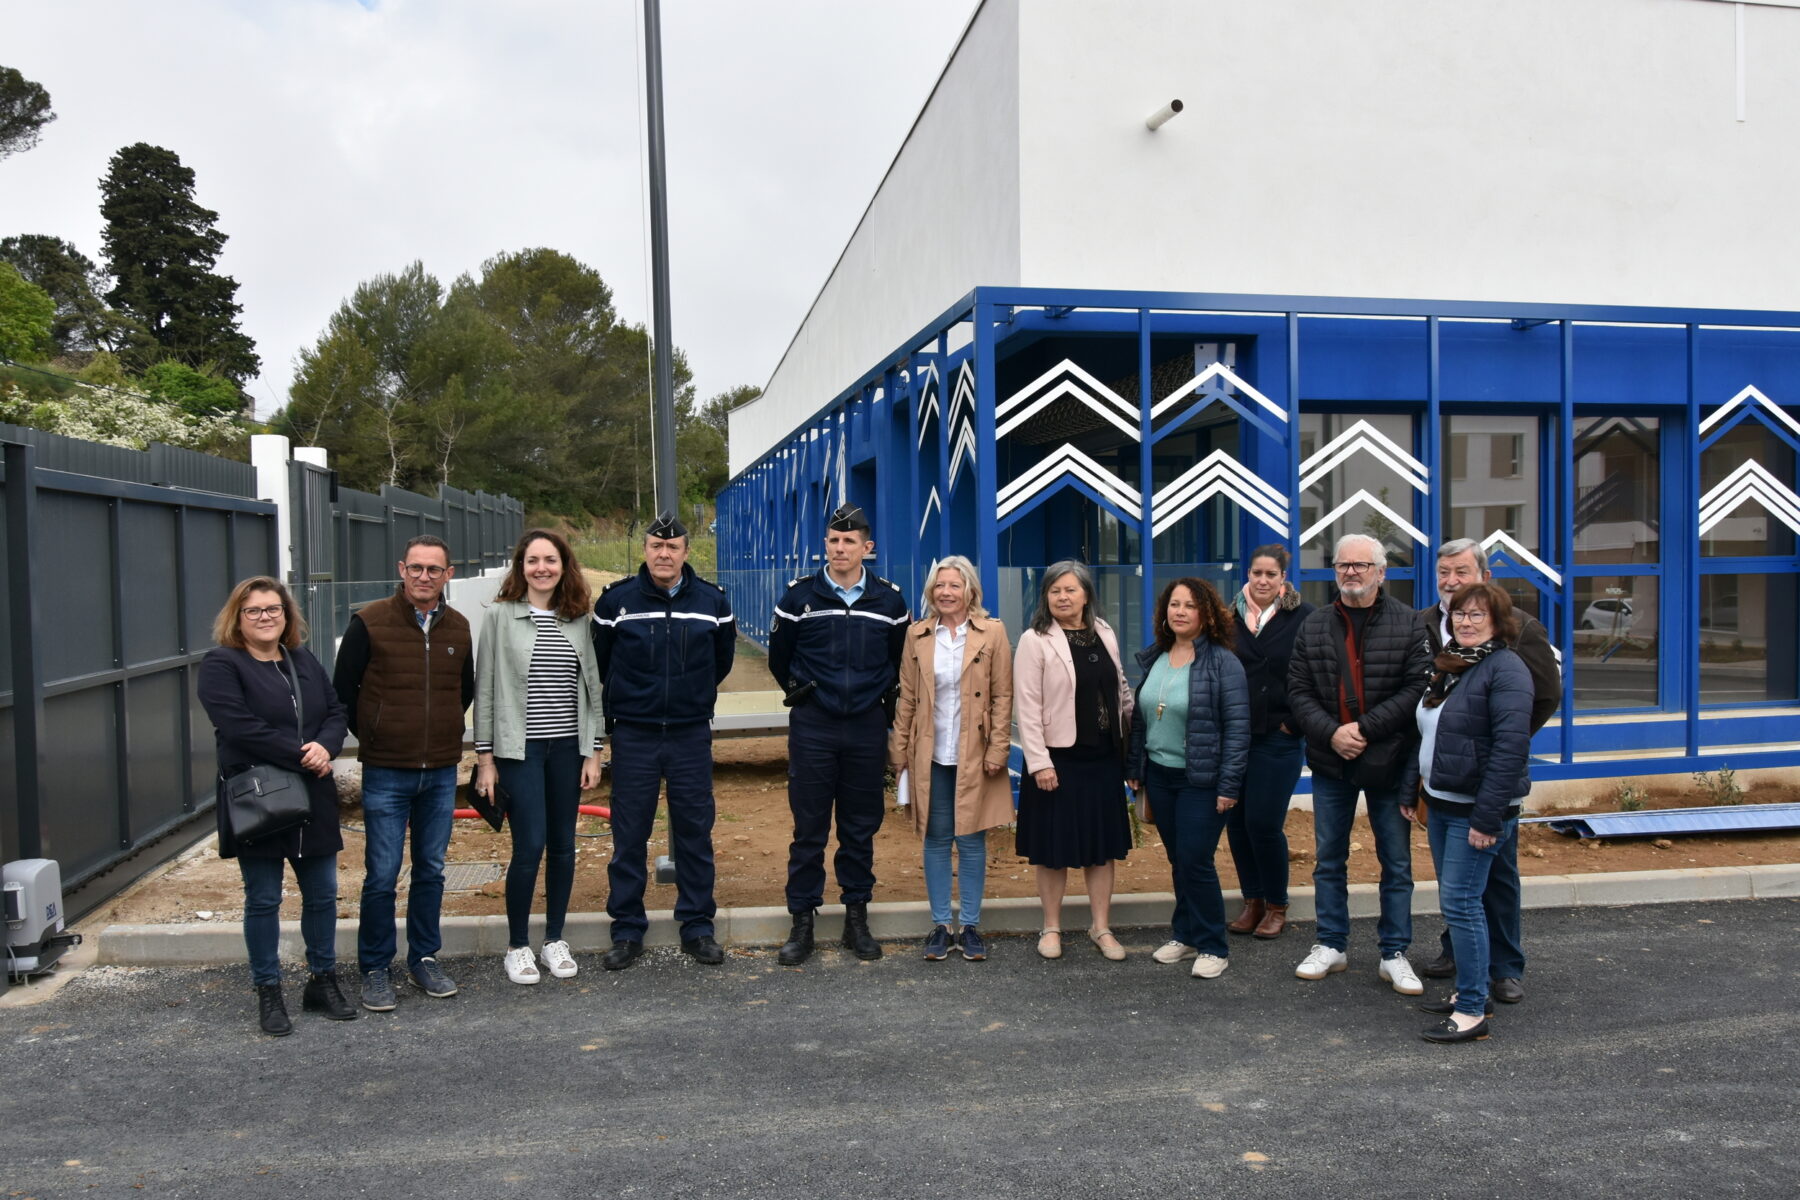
x=1750 y=529
x=1618 y=489
x=1365 y=471
x=1615 y=651
x=1493 y=485
x=1747 y=639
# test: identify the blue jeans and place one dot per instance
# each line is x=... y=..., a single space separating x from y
x=1190 y=823
x=262 y=912
x=543 y=798
x=1462 y=872
x=1501 y=902
x=394 y=798
x=644 y=758
x=1334 y=807
x=1256 y=827
x=971 y=854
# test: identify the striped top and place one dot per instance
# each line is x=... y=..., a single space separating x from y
x=552 y=684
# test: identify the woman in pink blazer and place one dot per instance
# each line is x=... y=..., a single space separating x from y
x=1074 y=712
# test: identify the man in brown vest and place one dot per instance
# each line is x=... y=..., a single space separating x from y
x=406 y=675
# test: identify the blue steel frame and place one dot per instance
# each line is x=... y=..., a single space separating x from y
x=868 y=445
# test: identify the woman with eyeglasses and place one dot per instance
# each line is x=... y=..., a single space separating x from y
x=271 y=702
x=1473 y=763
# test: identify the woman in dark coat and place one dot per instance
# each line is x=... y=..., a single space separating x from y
x=1266 y=614
x=251 y=686
x=1190 y=736
x=1475 y=727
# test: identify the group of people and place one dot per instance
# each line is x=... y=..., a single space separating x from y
x=1425 y=716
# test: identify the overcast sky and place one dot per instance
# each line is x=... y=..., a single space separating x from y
x=339 y=139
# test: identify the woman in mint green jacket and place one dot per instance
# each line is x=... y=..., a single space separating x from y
x=537 y=734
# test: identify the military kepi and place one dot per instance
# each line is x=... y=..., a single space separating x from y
x=849 y=519
x=666 y=525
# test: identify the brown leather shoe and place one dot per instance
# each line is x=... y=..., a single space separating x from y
x=1246 y=920
x=1274 y=922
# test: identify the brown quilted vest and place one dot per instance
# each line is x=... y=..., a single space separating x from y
x=409 y=713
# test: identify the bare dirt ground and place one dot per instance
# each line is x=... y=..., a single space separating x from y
x=751 y=841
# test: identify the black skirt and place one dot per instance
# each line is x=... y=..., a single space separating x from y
x=1083 y=823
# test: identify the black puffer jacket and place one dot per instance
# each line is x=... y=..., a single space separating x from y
x=1217 y=740
x=1483 y=746
x=1266 y=657
x=1395 y=667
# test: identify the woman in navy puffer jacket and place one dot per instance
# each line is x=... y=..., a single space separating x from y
x=1190 y=741
x=1475 y=726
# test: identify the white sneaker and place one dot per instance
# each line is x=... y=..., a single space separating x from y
x=519 y=967
x=556 y=956
x=1397 y=971
x=1172 y=952
x=1209 y=966
x=1320 y=962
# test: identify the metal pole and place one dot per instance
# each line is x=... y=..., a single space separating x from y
x=666 y=498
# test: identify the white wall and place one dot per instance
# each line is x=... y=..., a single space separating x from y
x=1580 y=151
x=945 y=218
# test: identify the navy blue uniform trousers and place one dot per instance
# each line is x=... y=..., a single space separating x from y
x=834 y=764
x=643 y=757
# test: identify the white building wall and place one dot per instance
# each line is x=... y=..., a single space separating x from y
x=945 y=218
x=1575 y=151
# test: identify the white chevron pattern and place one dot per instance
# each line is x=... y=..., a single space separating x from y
x=1750 y=482
x=1750 y=394
x=962 y=421
x=1363 y=497
x=1217 y=371
x=932 y=504
x=1219 y=474
x=1518 y=553
x=1069 y=461
x=928 y=399
x=1363 y=436
x=1033 y=398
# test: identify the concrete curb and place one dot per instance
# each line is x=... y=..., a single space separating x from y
x=218 y=943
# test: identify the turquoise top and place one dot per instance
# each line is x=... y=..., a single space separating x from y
x=1165 y=700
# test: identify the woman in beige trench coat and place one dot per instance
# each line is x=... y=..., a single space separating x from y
x=952 y=731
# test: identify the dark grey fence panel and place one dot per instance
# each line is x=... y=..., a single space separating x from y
x=112 y=588
x=168 y=466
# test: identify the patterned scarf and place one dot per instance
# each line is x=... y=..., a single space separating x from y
x=1450 y=664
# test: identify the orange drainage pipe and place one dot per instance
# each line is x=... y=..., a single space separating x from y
x=587 y=810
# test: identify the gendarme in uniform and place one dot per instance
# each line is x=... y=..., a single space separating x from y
x=835 y=648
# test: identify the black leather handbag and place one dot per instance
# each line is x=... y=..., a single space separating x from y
x=267 y=799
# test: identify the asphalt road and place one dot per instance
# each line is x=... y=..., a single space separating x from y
x=1655 y=1055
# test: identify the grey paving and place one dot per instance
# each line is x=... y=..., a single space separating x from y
x=1655 y=1055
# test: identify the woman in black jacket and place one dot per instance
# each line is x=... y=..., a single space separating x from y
x=254 y=686
x=1475 y=727
x=1190 y=734
x=1267 y=612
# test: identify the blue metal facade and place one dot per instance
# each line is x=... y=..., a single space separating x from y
x=1632 y=470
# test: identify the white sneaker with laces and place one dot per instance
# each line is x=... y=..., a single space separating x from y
x=557 y=958
x=1209 y=966
x=1321 y=961
x=519 y=967
x=1399 y=972
x=1172 y=952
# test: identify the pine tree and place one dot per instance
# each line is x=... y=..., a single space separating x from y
x=161 y=246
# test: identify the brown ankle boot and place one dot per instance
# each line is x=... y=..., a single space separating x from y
x=1246 y=920
x=1274 y=921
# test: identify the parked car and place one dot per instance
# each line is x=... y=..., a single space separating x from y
x=1608 y=615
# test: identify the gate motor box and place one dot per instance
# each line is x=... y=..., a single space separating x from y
x=34 y=916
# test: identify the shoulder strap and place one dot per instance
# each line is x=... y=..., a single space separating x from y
x=286 y=666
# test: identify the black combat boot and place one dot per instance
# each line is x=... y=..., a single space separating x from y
x=799 y=946
x=271 y=1013
x=323 y=995
x=857 y=938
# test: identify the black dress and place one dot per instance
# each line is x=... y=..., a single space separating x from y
x=1083 y=823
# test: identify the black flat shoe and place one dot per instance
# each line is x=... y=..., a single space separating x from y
x=1507 y=990
x=1445 y=1007
x=704 y=950
x=1448 y=1032
x=622 y=955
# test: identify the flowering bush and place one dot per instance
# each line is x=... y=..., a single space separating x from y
x=118 y=416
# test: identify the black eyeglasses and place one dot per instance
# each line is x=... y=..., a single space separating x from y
x=417 y=569
x=1348 y=568
x=271 y=611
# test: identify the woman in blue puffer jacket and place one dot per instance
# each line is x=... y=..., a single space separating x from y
x=1190 y=741
x=1474 y=754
